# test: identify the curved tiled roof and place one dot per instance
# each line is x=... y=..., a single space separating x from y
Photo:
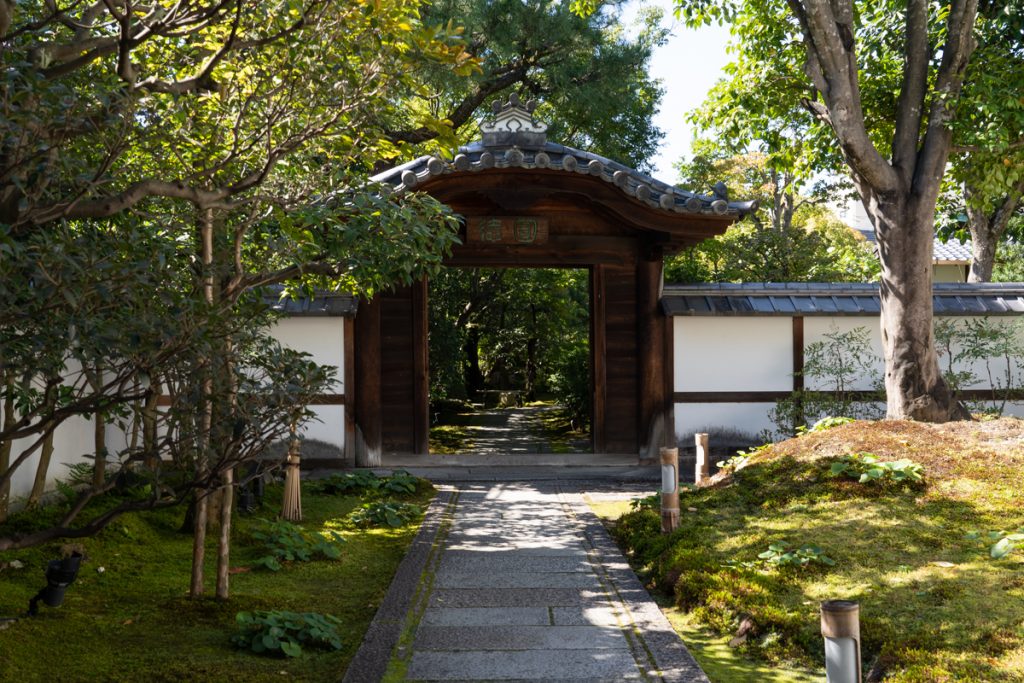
x=515 y=140
x=952 y=251
x=832 y=299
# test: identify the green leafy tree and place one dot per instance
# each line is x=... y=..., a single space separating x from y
x=590 y=78
x=791 y=238
x=888 y=90
x=524 y=329
x=238 y=131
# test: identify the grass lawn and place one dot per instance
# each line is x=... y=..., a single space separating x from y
x=935 y=606
x=134 y=621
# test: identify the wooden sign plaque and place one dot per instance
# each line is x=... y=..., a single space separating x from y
x=508 y=230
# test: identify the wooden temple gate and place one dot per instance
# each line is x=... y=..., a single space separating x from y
x=527 y=202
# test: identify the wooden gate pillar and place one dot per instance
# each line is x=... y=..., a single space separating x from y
x=655 y=409
x=367 y=378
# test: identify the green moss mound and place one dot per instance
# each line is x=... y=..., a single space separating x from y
x=934 y=605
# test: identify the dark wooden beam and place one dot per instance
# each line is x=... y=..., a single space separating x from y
x=650 y=321
x=421 y=368
x=367 y=378
x=598 y=354
x=328 y=400
x=798 y=366
x=772 y=396
x=349 y=379
x=559 y=250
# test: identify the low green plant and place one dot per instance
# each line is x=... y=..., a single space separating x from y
x=824 y=424
x=866 y=467
x=999 y=543
x=399 y=482
x=384 y=513
x=349 y=482
x=287 y=542
x=736 y=462
x=651 y=502
x=284 y=633
x=781 y=555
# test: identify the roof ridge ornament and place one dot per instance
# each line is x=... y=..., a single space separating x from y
x=513 y=125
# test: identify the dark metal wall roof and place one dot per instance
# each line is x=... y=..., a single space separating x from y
x=322 y=304
x=832 y=299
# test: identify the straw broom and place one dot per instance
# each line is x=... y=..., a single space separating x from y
x=291 y=505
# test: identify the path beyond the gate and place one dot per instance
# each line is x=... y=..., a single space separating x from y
x=518 y=581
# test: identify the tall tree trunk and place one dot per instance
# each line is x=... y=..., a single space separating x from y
x=988 y=229
x=99 y=434
x=6 y=444
x=42 y=469
x=227 y=480
x=914 y=386
x=474 y=377
x=206 y=421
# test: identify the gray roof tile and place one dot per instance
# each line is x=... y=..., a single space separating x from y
x=839 y=298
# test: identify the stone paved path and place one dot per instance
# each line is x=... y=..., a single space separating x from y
x=524 y=584
x=513 y=431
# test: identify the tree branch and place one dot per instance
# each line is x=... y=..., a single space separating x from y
x=910 y=108
x=956 y=53
x=828 y=37
x=461 y=114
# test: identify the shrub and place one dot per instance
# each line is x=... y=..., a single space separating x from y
x=1001 y=543
x=384 y=514
x=781 y=555
x=651 y=502
x=839 y=362
x=399 y=482
x=284 y=541
x=825 y=424
x=285 y=633
x=349 y=482
x=866 y=467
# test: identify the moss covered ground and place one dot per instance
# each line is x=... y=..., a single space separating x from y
x=935 y=606
x=134 y=620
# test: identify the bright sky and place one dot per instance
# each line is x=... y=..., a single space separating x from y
x=687 y=65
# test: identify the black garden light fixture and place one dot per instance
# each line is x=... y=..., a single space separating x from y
x=59 y=575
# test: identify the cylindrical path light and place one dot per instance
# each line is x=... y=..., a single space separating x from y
x=669 y=489
x=840 y=626
x=702 y=465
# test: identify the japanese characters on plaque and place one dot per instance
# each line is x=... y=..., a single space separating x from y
x=512 y=230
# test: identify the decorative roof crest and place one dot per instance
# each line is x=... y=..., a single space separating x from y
x=513 y=124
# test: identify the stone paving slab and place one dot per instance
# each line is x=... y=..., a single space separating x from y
x=513 y=597
x=545 y=637
x=513 y=562
x=500 y=580
x=583 y=616
x=549 y=665
x=487 y=616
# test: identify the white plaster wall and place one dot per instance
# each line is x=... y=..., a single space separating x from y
x=72 y=443
x=329 y=425
x=815 y=329
x=323 y=338
x=733 y=354
x=998 y=365
x=745 y=417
